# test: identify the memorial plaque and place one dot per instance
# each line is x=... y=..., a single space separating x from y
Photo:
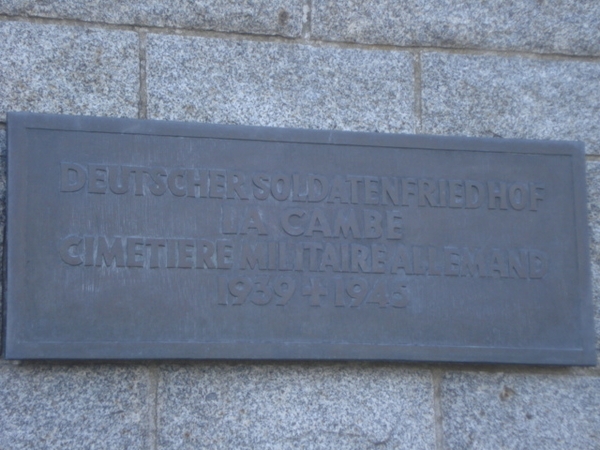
x=147 y=239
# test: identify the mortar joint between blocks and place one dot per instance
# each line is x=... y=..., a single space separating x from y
x=143 y=91
x=437 y=376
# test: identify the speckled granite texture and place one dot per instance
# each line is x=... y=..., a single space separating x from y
x=495 y=410
x=511 y=97
x=522 y=68
x=276 y=17
x=310 y=406
x=68 y=70
x=287 y=85
x=547 y=26
x=593 y=179
x=60 y=406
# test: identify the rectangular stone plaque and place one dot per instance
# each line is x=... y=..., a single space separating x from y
x=146 y=239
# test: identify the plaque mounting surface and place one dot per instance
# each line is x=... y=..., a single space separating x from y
x=147 y=239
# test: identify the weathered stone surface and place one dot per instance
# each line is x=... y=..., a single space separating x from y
x=511 y=97
x=593 y=179
x=259 y=83
x=492 y=411
x=277 y=17
x=2 y=220
x=557 y=26
x=49 y=406
x=285 y=406
x=68 y=70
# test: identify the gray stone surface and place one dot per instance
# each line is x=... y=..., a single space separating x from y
x=593 y=183
x=275 y=17
x=511 y=97
x=291 y=406
x=59 y=406
x=549 y=26
x=2 y=221
x=80 y=70
x=260 y=83
x=68 y=70
x=513 y=411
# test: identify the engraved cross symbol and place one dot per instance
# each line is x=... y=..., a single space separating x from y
x=316 y=291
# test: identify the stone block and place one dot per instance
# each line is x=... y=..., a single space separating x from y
x=2 y=221
x=68 y=70
x=298 y=405
x=60 y=406
x=518 y=411
x=273 y=17
x=558 y=26
x=593 y=183
x=511 y=97
x=273 y=84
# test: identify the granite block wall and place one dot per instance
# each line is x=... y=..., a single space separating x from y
x=524 y=68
